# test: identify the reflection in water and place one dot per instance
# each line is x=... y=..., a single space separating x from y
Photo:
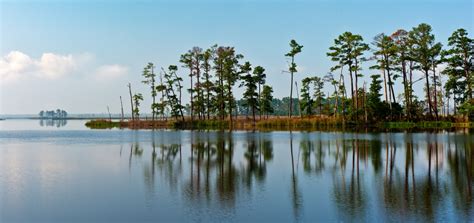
x=53 y=123
x=296 y=194
x=407 y=176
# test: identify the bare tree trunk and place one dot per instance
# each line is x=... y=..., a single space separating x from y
x=121 y=106
x=335 y=104
x=153 y=111
x=428 y=92
x=299 y=104
x=229 y=88
x=291 y=89
x=390 y=87
x=385 y=89
x=344 y=95
x=435 y=92
x=352 y=87
x=259 y=103
x=454 y=104
x=365 y=103
x=405 y=88
x=207 y=96
x=356 y=91
x=447 y=107
x=410 y=88
x=191 y=91
x=198 y=89
x=131 y=100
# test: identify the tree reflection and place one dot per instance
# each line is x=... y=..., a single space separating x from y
x=58 y=123
x=459 y=160
x=401 y=174
x=349 y=194
x=309 y=149
x=296 y=195
x=258 y=151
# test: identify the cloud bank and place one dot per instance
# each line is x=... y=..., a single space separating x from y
x=17 y=66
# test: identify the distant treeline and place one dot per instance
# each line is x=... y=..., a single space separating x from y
x=403 y=57
x=53 y=114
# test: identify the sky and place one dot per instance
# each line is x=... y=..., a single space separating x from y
x=79 y=55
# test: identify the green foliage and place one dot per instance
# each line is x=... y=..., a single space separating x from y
x=226 y=65
x=250 y=82
x=318 y=93
x=214 y=72
x=295 y=49
x=207 y=83
x=467 y=109
x=347 y=51
x=386 y=55
x=374 y=89
x=173 y=89
x=377 y=110
x=306 y=100
x=425 y=52
x=266 y=100
x=136 y=100
x=459 y=59
x=149 y=75
x=308 y=103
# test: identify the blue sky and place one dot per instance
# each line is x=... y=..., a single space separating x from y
x=79 y=55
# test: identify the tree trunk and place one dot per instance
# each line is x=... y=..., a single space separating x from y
x=365 y=104
x=290 y=110
x=153 y=112
x=454 y=104
x=405 y=89
x=385 y=88
x=198 y=89
x=352 y=87
x=121 y=108
x=356 y=91
x=229 y=88
x=208 y=94
x=259 y=103
x=410 y=85
x=253 y=114
x=299 y=103
x=191 y=91
x=390 y=86
x=435 y=92
x=344 y=95
x=468 y=76
x=131 y=100
x=428 y=92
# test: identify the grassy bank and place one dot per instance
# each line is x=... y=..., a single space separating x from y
x=426 y=125
x=103 y=124
x=308 y=124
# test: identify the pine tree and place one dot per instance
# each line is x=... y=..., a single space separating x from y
x=295 y=49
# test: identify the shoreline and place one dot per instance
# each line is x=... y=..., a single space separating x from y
x=279 y=124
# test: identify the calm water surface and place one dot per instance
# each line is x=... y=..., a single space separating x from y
x=60 y=172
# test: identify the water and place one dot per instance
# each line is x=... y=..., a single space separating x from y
x=69 y=173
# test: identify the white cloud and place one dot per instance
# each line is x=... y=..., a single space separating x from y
x=112 y=71
x=14 y=65
x=52 y=66
x=17 y=65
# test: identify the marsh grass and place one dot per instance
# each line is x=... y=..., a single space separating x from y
x=277 y=124
x=103 y=124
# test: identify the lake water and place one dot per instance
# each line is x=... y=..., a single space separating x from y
x=65 y=172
